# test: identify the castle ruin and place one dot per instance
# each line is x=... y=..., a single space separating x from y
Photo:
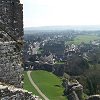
x=11 y=34
x=11 y=43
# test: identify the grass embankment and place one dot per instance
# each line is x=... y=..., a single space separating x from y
x=83 y=38
x=49 y=84
x=28 y=86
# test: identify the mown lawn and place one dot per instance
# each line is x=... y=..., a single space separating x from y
x=84 y=38
x=28 y=86
x=49 y=84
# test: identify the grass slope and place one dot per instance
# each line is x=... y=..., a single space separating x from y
x=49 y=84
x=28 y=86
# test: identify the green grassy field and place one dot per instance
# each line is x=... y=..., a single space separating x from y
x=49 y=84
x=84 y=38
x=28 y=86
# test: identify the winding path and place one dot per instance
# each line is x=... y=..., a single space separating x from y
x=35 y=86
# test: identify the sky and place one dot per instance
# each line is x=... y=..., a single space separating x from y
x=61 y=12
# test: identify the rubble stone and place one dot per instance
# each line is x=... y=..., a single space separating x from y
x=11 y=17
x=10 y=64
x=13 y=93
x=94 y=97
x=11 y=42
x=73 y=89
x=11 y=32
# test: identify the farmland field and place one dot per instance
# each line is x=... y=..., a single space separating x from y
x=84 y=38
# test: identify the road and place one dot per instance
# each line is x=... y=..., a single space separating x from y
x=35 y=86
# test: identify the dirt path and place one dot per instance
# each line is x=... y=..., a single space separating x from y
x=35 y=86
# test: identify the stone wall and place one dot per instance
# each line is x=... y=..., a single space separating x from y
x=73 y=89
x=12 y=93
x=10 y=63
x=11 y=37
x=11 y=17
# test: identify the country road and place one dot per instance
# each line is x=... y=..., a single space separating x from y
x=35 y=86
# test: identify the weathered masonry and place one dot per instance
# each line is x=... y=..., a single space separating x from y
x=11 y=42
x=11 y=37
x=11 y=17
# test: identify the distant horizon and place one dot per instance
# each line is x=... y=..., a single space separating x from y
x=67 y=27
x=60 y=26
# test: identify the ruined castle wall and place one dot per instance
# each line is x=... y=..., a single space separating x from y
x=12 y=93
x=11 y=37
x=10 y=64
x=11 y=16
x=11 y=21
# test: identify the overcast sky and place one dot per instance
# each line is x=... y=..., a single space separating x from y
x=61 y=12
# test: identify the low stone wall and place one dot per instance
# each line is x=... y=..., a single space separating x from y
x=12 y=93
x=58 y=69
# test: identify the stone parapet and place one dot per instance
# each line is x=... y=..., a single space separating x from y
x=12 y=93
